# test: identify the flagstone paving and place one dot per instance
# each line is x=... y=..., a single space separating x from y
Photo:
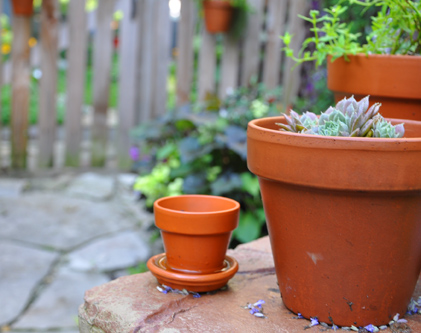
x=63 y=235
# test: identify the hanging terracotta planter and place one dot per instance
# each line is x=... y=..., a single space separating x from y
x=344 y=221
x=23 y=7
x=393 y=80
x=218 y=15
x=196 y=230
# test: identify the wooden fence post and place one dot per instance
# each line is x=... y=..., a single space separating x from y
x=146 y=59
x=128 y=81
x=229 y=66
x=162 y=47
x=252 y=43
x=185 y=36
x=20 y=89
x=207 y=65
x=76 y=57
x=103 y=43
x=291 y=78
x=1 y=85
x=276 y=16
x=47 y=118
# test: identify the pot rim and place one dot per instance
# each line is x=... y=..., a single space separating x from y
x=158 y=204
x=364 y=55
x=339 y=163
x=254 y=124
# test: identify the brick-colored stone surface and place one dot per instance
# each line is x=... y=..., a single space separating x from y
x=133 y=304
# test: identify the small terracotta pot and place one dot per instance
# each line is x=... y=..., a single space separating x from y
x=393 y=80
x=196 y=230
x=23 y=7
x=344 y=220
x=218 y=15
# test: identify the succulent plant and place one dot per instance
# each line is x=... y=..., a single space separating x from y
x=348 y=118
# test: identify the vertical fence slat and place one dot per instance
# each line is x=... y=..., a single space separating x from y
x=251 y=50
x=229 y=66
x=162 y=48
x=291 y=78
x=20 y=90
x=76 y=59
x=185 y=37
x=1 y=86
x=127 y=83
x=146 y=60
x=207 y=65
x=103 y=42
x=48 y=85
x=276 y=16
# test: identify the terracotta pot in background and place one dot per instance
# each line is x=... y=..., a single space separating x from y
x=393 y=80
x=196 y=230
x=218 y=15
x=344 y=220
x=23 y=7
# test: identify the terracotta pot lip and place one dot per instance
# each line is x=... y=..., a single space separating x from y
x=254 y=124
x=381 y=56
x=218 y=3
x=158 y=205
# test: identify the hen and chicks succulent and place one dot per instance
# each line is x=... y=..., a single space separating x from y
x=348 y=118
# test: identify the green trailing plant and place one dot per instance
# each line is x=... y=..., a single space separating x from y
x=201 y=149
x=395 y=29
x=348 y=118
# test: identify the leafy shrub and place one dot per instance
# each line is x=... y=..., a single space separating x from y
x=201 y=149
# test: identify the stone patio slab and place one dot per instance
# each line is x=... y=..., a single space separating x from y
x=61 y=298
x=22 y=268
x=119 y=251
x=92 y=186
x=59 y=222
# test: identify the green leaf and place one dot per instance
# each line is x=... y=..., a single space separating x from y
x=248 y=228
x=250 y=183
x=165 y=151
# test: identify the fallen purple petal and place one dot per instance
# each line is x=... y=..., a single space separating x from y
x=259 y=314
x=370 y=328
x=259 y=303
x=314 y=321
x=253 y=311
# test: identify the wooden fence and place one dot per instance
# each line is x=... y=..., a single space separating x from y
x=144 y=55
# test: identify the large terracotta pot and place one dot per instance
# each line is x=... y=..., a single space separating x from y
x=218 y=15
x=344 y=219
x=23 y=7
x=393 y=80
x=196 y=230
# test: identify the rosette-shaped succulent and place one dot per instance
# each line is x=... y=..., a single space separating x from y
x=347 y=118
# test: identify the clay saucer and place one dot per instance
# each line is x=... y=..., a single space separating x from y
x=192 y=282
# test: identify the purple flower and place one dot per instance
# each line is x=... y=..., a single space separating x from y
x=259 y=303
x=370 y=328
x=134 y=153
x=164 y=290
x=196 y=295
x=396 y=318
x=259 y=314
x=253 y=311
x=314 y=321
